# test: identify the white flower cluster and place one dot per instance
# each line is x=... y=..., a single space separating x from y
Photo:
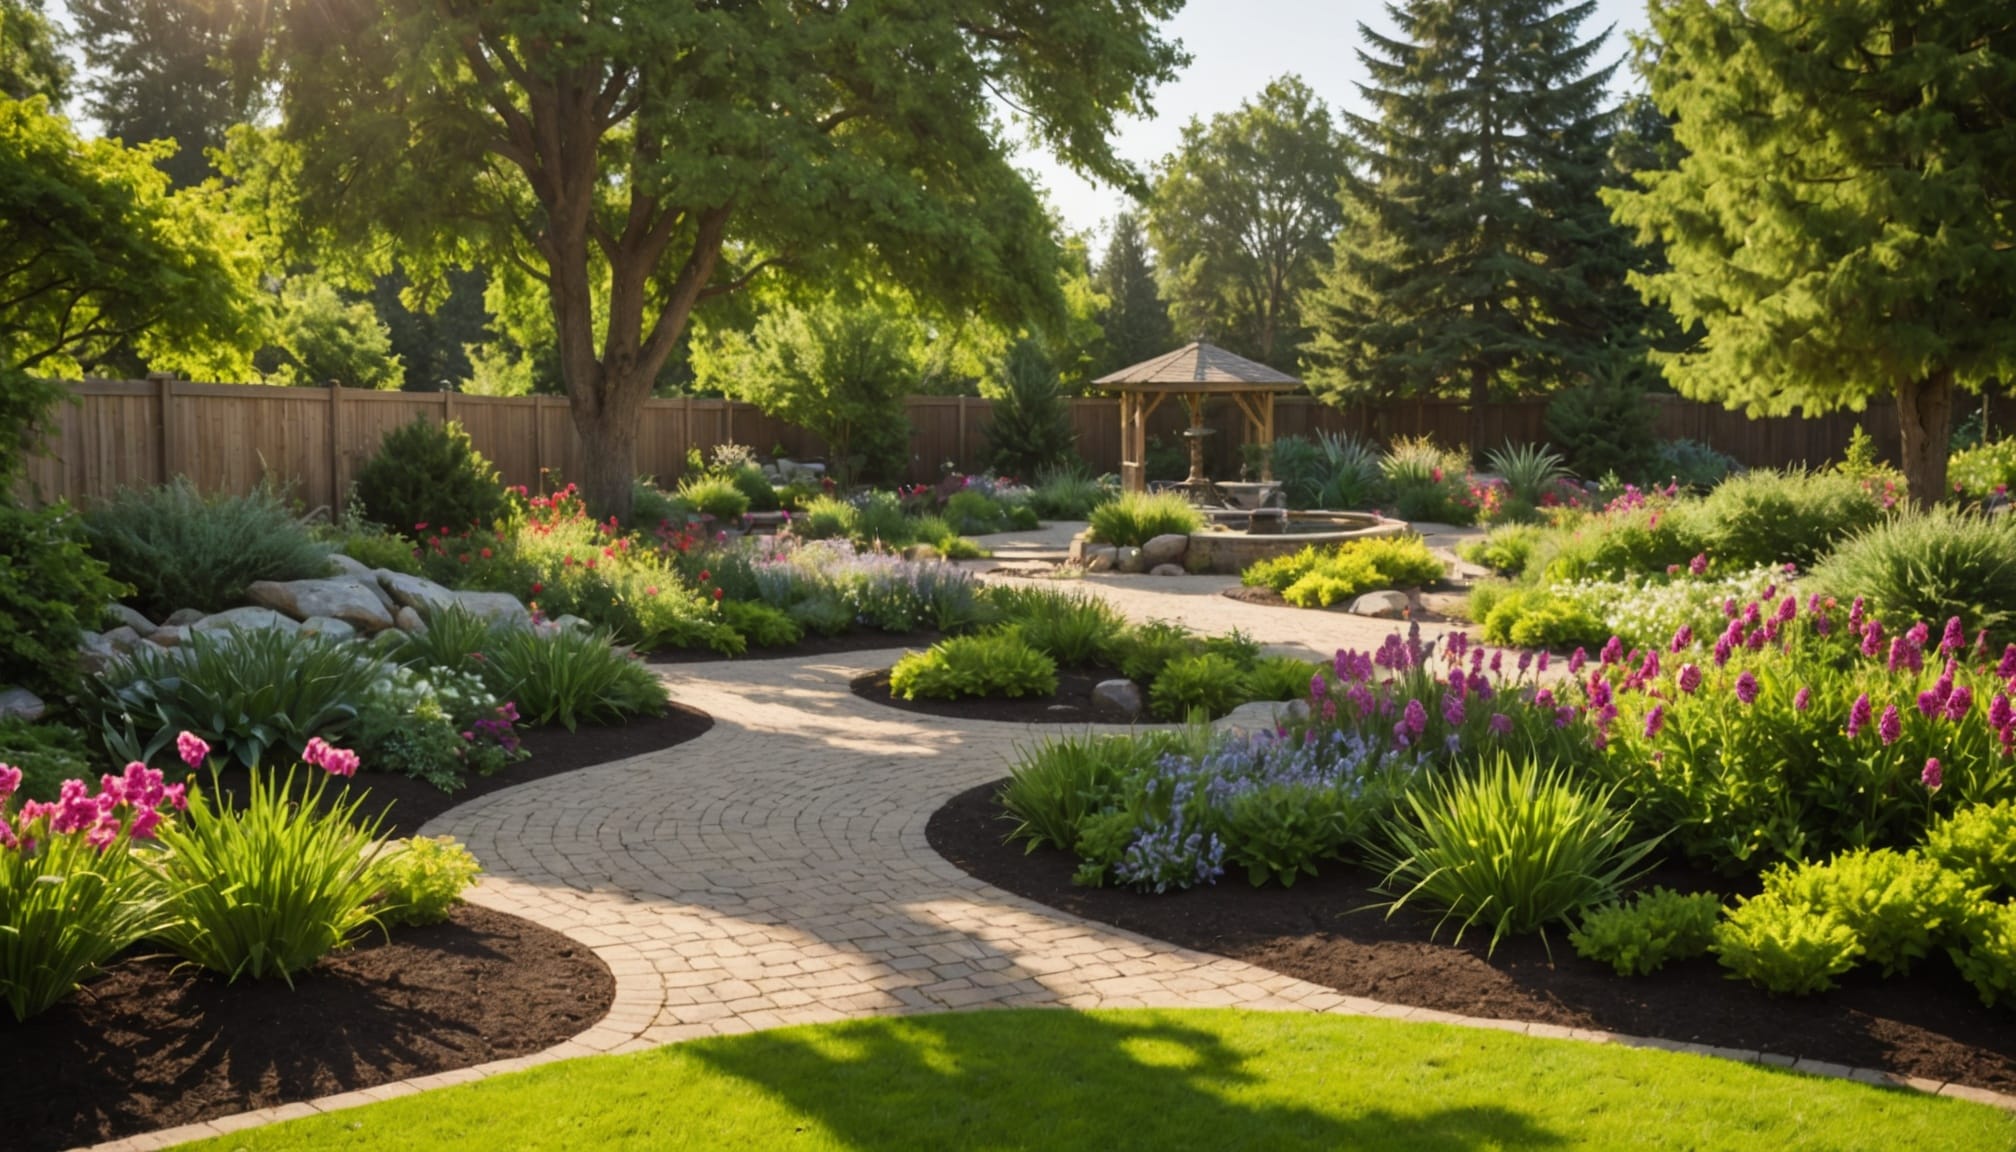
x=442 y=693
x=1646 y=613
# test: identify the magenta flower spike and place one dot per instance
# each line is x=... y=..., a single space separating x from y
x=1891 y=727
x=1802 y=699
x=1954 y=639
x=192 y=749
x=1858 y=715
x=1690 y=678
x=1682 y=637
x=1655 y=720
x=1746 y=687
x=1932 y=777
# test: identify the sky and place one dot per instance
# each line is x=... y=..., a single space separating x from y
x=1237 y=46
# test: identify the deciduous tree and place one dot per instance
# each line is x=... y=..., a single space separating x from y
x=637 y=158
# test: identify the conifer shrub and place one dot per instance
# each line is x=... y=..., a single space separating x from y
x=430 y=474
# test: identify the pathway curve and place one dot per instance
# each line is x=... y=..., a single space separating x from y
x=775 y=871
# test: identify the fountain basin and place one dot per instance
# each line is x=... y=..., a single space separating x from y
x=1230 y=547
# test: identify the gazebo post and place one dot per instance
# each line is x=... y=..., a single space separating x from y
x=1267 y=434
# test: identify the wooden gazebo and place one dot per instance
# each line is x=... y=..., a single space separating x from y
x=1197 y=372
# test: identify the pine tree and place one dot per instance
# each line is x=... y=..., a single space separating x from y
x=181 y=70
x=1136 y=321
x=1840 y=225
x=1031 y=428
x=1475 y=256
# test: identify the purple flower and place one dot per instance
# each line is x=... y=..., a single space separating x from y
x=1932 y=777
x=192 y=749
x=1891 y=726
x=1954 y=638
x=1547 y=658
x=1958 y=702
x=1415 y=717
x=1788 y=607
x=1525 y=662
x=1699 y=564
x=1723 y=648
x=1576 y=661
x=2000 y=715
x=1681 y=639
x=1690 y=678
x=1501 y=724
x=1929 y=703
x=1746 y=687
x=2007 y=668
x=1317 y=688
x=1855 y=616
x=1858 y=715
x=1801 y=699
x=1919 y=633
x=1544 y=698
x=1452 y=709
x=1613 y=651
x=1655 y=720
x=1872 y=638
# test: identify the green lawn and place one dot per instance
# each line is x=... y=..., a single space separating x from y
x=1101 y=1081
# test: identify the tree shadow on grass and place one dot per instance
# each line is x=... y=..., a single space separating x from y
x=1062 y=1081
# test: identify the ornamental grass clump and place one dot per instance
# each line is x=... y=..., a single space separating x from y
x=1929 y=565
x=1138 y=517
x=994 y=664
x=1075 y=629
x=72 y=893
x=269 y=887
x=1509 y=846
x=571 y=677
x=178 y=548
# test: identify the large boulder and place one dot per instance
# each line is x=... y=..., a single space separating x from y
x=337 y=597
x=1168 y=570
x=413 y=591
x=247 y=619
x=122 y=639
x=120 y=614
x=1101 y=557
x=1129 y=560
x=170 y=635
x=1383 y=605
x=329 y=627
x=344 y=565
x=95 y=653
x=410 y=621
x=1116 y=700
x=1165 y=549
x=1263 y=715
x=21 y=704
x=183 y=617
x=496 y=607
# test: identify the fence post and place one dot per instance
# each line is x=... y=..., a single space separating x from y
x=337 y=497
x=166 y=382
x=963 y=467
x=539 y=443
x=447 y=406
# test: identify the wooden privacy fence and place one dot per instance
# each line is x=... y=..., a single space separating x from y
x=227 y=437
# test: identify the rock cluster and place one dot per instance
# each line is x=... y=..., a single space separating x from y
x=354 y=601
x=1160 y=556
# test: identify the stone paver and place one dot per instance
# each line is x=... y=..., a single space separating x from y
x=775 y=871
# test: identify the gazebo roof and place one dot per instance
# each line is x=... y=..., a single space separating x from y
x=1199 y=367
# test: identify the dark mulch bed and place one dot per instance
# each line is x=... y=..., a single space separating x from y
x=1071 y=705
x=858 y=641
x=1931 y=1024
x=407 y=803
x=147 y=1046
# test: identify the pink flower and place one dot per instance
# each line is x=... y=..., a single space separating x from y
x=1576 y=661
x=1655 y=720
x=1855 y=617
x=1690 y=678
x=1929 y=703
x=1500 y=724
x=1858 y=715
x=1613 y=651
x=1891 y=726
x=1699 y=564
x=192 y=749
x=2000 y=715
x=1681 y=639
x=1546 y=658
x=1954 y=638
x=10 y=780
x=1932 y=777
x=1723 y=649
x=1872 y=638
x=1452 y=709
x=1746 y=687
x=340 y=762
x=2007 y=668
x=1801 y=699
x=1958 y=702
x=1415 y=717
x=316 y=751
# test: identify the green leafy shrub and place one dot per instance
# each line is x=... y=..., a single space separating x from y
x=652 y=506
x=180 y=550
x=1765 y=517
x=46 y=754
x=1281 y=831
x=1278 y=678
x=1983 y=470
x=426 y=476
x=1318 y=578
x=1898 y=904
x=752 y=483
x=1977 y=842
x=880 y=519
x=1056 y=784
x=1207 y=681
x=1986 y=955
x=249 y=694
x=1074 y=629
x=1536 y=618
x=51 y=591
x=377 y=548
x=975 y=513
x=1785 y=948
x=762 y=625
x=1509 y=846
x=1659 y=925
x=1138 y=517
x=1929 y=565
x=571 y=676
x=1031 y=428
x=716 y=496
x=1066 y=493
x=1603 y=427
x=1615 y=545
x=824 y=518
x=1506 y=549
x=996 y=664
x=1691 y=464
x=422 y=879
x=271 y=887
x=1427 y=482
x=1145 y=649
x=67 y=906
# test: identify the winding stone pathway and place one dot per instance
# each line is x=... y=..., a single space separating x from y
x=775 y=871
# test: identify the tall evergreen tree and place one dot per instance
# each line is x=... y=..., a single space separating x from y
x=1242 y=215
x=31 y=53
x=1475 y=256
x=1843 y=224
x=1136 y=321
x=181 y=70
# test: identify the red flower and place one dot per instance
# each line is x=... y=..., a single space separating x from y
x=537 y=587
x=651 y=591
x=705 y=575
x=420 y=527
x=717 y=593
x=485 y=553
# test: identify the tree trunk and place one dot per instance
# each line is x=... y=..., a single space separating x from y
x=1480 y=394
x=1925 y=422
x=608 y=461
